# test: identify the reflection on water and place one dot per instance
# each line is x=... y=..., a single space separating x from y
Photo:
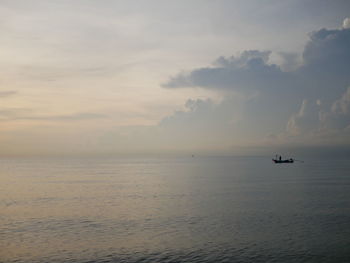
x=218 y=209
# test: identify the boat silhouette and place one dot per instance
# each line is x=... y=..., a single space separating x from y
x=283 y=161
x=280 y=160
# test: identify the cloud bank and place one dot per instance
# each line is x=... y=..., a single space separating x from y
x=309 y=104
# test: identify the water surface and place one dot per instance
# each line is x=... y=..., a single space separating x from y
x=201 y=209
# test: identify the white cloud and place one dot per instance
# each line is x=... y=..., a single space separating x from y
x=346 y=23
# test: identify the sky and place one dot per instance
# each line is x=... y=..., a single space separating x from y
x=92 y=77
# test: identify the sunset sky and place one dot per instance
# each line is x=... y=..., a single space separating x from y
x=185 y=76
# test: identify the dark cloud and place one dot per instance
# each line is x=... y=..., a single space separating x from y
x=244 y=73
x=312 y=98
x=328 y=46
x=326 y=60
x=326 y=69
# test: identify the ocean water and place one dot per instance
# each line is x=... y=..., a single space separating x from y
x=201 y=209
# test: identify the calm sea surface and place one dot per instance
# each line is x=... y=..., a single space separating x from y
x=201 y=209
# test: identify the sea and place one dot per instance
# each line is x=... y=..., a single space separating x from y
x=174 y=209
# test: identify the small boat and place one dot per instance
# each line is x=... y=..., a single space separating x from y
x=278 y=159
x=283 y=161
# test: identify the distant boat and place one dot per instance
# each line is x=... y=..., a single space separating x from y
x=283 y=161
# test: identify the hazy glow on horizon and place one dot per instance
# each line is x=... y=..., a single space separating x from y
x=101 y=77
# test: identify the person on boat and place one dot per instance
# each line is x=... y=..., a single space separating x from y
x=280 y=158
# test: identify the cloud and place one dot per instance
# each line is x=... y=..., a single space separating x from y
x=203 y=125
x=22 y=114
x=342 y=106
x=327 y=46
x=339 y=115
x=310 y=99
x=12 y=113
x=203 y=115
x=325 y=70
x=346 y=23
x=7 y=93
x=313 y=122
x=69 y=117
x=245 y=72
x=289 y=61
x=306 y=120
